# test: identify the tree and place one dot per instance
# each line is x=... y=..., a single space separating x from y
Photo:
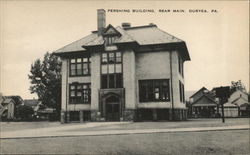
x=25 y=112
x=237 y=86
x=45 y=78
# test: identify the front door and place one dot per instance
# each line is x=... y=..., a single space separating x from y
x=112 y=112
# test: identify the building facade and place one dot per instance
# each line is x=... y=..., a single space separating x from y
x=123 y=73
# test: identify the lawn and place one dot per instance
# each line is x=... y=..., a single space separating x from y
x=212 y=142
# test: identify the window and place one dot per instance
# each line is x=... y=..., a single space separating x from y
x=182 y=92
x=79 y=93
x=111 y=70
x=180 y=64
x=111 y=57
x=154 y=90
x=109 y=40
x=80 y=66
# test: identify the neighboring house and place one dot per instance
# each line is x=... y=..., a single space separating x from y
x=230 y=110
x=123 y=73
x=7 y=110
x=203 y=104
x=40 y=111
x=238 y=97
x=244 y=110
x=236 y=105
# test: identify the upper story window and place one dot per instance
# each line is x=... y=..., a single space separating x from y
x=79 y=93
x=154 y=90
x=182 y=92
x=109 y=40
x=111 y=70
x=180 y=64
x=111 y=57
x=80 y=66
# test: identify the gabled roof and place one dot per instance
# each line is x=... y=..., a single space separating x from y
x=239 y=99
x=240 y=91
x=204 y=104
x=8 y=100
x=202 y=89
x=110 y=30
x=142 y=35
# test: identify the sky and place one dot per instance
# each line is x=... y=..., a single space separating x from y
x=218 y=43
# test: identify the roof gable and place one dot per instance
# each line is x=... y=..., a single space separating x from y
x=239 y=100
x=199 y=91
x=110 y=30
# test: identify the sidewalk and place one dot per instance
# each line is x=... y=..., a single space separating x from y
x=62 y=131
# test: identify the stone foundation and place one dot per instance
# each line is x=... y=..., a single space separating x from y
x=129 y=115
x=179 y=115
x=95 y=116
x=62 y=118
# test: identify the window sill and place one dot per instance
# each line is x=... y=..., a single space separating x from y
x=80 y=103
x=154 y=101
x=79 y=75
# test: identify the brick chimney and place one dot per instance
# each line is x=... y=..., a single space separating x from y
x=126 y=25
x=101 y=20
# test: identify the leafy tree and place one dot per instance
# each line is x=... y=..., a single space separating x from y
x=45 y=78
x=237 y=85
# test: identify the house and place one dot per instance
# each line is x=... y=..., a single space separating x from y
x=41 y=111
x=239 y=98
x=123 y=73
x=203 y=104
x=230 y=110
x=237 y=104
x=7 y=110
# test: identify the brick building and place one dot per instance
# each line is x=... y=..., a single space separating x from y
x=123 y=73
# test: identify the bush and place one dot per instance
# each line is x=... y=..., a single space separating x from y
x=25 y=112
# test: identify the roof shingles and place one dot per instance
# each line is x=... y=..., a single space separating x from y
x=143 y=35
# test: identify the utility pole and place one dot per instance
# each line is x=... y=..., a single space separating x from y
x=223 y=94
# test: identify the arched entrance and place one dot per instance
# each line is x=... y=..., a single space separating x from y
x=112 y=108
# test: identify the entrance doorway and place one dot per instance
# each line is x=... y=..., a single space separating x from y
x=112 y=109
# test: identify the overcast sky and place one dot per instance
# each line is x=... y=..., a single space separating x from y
x=218 y=43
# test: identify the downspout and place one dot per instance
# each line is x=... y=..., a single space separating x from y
x=171 y=86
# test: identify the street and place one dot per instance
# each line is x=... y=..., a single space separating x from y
x=173 y=137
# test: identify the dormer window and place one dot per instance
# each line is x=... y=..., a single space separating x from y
x=109 y=40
